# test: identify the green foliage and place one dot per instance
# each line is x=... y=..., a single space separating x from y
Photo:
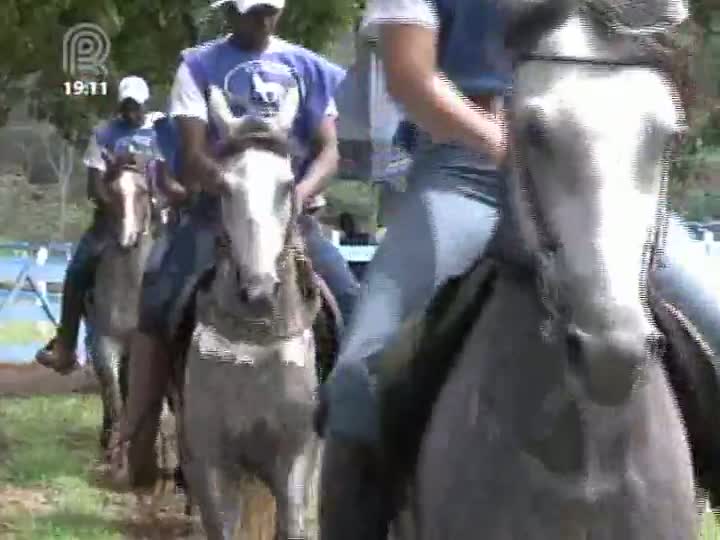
x=146 y=39
x=315 y=24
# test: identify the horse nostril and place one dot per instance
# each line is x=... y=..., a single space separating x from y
x=573 y=341
x=656 y=345
x=244 y=295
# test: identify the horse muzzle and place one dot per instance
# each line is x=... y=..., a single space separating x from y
x=610 y=364
x=129 y=240
x=260 y=290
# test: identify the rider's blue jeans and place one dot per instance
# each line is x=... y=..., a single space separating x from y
x=181 y=256
x=438 y=228
x=81 y=269
x=331 y=266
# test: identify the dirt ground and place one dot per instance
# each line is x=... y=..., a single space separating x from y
x=166 y=519
x=22 y=380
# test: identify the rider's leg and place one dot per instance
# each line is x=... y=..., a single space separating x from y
x=441 y=225
x=690 y=279
x=59 y=354
x=174 y=263
x=331 y=266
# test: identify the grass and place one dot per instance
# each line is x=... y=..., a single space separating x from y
x=50 y=446
x=710 y=529
x=25 y=332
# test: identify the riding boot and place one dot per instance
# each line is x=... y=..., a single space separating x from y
x=354 y=504
x=59 y=353
x=149 y=375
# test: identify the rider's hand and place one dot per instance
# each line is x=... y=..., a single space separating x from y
x=213 y=179
x=496 y=139
x=301 y=197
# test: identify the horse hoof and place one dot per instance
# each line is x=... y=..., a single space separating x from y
x=119 y=471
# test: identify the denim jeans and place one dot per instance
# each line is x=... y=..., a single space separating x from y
x=690 y=280
x=80 y=272
x=441 y=225
x=330 y=266
x=185 y=253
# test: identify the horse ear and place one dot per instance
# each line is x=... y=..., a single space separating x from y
x=219 y=109
x=288 y=110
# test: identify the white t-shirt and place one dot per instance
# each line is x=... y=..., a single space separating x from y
x=93 y=157
x=417 y=12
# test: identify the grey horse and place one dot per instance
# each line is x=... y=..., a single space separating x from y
x=250 y=376
x=112 y=305
x=557 y=419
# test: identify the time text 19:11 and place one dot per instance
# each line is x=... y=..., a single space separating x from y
x=85 y=88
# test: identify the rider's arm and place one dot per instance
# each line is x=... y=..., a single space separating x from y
x=408 y=32
x=189 y=109
x=96 y=167
x=325 y=161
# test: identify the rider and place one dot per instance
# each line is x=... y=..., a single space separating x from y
x=130 y=130
x=251 y=55
x=446 y=65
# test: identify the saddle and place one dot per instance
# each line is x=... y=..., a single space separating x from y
x=418 y=363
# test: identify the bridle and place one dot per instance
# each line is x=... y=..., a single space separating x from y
x=558 y=323
x=265 y=331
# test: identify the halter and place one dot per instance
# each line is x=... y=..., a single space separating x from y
x=559 y=313
x=275 y=330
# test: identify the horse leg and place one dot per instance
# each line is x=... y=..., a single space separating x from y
x=292 y=493
x=105 y=358
x=218 y=497
x=176 y=406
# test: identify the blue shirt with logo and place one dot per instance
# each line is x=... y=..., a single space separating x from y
x=118 y=136
x=257 y=82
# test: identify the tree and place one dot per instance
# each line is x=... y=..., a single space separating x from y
x=146 y=39
x=702 y=142
x=61 y=157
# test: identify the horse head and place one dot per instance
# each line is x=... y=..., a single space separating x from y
x=592 y=119
x=258 y=208
x=127 y=195
x=529 y=21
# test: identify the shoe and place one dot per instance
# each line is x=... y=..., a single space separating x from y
x=58 y=358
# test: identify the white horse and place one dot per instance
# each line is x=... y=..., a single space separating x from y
x=557 y=420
